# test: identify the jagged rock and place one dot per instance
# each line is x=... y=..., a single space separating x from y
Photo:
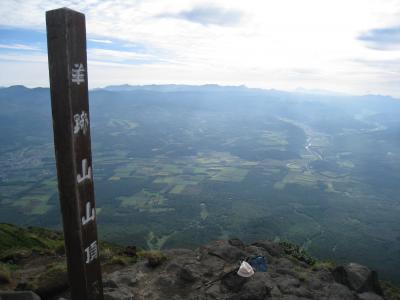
x=285 y=264
x=111 y=284
x=121 y=293
x=369 y=296
x=210 y=273
x=315 y=284
x=288 y=285
x=236 y=243
x=337 y=291
x=225 y=251
x=130 y=251
x=274 y=249
x=232 y=282
x=257 y=287
x=155 y=259
x=283 y=271
x=290 y=297
x=51 y=284
x=187 y=274
x=213 y=292
x=358 y=278
x=276 y=292
x=325 y=275
x=16 y=256
x=25 y=295
x=257 y=251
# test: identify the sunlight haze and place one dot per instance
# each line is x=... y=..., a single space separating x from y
x=346 y=46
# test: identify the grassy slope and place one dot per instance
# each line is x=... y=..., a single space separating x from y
x=34 y=239
x=13 y=238
x=35 y=257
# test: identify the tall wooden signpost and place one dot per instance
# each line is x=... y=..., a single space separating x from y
x=66 y=41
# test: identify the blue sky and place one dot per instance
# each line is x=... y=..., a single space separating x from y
x=349 y=46
x=387 y=38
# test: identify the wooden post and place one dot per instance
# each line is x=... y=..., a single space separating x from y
x=66 y=42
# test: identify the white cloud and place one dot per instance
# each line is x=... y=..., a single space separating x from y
x=18 y=47
x=280 y=44
x=23 y=57
x=207 y=15
x=31 y=74
x=116 y=55
x=101 y=41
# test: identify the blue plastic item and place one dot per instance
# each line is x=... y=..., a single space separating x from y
x=259 y=264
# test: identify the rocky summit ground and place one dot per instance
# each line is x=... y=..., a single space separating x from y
x=210 y=273
x=32 y=259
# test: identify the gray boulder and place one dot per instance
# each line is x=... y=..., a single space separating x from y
x=225 y=251
x=25 y=295
x=274 y=249
x=121 y=293
x=358 y=278
x=369 y=296
x=336 y=291
x=257 y=287
x=232 y=282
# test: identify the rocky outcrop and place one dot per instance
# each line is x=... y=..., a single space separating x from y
x=210 y=273
x=358 y=278
x=25 y=295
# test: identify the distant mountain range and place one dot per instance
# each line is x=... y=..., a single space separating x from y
x=216 y=88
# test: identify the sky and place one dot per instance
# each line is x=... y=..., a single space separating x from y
x=350 y=46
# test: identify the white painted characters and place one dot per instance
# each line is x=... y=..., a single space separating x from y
x=86 y=172
x=91 y=252
x=90 y=214
x=78 y=74
x=81 y=122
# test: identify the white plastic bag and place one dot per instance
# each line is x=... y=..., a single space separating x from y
x=245 y=270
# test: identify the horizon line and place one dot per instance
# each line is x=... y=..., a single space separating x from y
x=298 y=90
